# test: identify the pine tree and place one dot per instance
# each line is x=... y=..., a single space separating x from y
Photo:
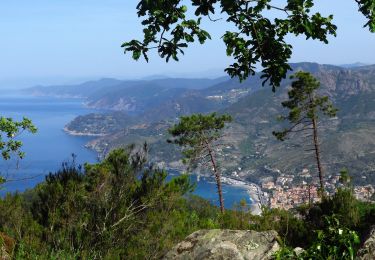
x=305 y=108
x=198 y=134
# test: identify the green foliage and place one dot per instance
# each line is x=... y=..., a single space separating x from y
x=285 y=253
x=343 y=205
x=9 y=130
x=351 y=213
x=102 y=211
x=367 y=218
x=304 y=105
x=345 y=178
x=105 y=205
x=257 y=38
x=197 y=133
x=334 y=242
x=120 y=209
x=293 y=231
x=367 y=8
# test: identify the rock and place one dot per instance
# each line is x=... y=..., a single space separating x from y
x=226 y=244
x=298 y=251
x=367 y=251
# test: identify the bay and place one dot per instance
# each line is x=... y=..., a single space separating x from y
x=50 y=146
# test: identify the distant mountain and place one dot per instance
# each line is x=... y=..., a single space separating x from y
x=166 y=99
x=107 y=85
x=152 y=77
x=347 y=141
x=129 y=96
x=170 y=96
x=353 y=65
x=76 y=91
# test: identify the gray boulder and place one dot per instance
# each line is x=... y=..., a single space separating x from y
x=367 y=251
x=226 y=244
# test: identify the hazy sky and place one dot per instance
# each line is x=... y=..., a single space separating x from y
x=54 y=41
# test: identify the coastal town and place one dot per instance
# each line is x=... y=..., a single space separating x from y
x=287 y=193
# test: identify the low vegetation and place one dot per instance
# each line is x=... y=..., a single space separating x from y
x=119 y=208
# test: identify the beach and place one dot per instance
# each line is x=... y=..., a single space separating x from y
x=254 y=191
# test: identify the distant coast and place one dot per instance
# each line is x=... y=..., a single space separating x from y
x=76 y=133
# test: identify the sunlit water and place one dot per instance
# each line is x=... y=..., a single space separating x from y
x=46 y=150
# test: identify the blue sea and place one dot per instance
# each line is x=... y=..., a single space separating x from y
x=51 y=146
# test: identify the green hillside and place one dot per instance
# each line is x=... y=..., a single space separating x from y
x=347 y=141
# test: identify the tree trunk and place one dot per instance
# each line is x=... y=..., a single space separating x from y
x=218 y=180
x=317 y=155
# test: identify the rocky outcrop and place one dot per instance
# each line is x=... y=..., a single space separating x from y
x=226 y=244
x=367 y=251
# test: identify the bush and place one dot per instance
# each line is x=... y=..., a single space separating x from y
x=334 y=242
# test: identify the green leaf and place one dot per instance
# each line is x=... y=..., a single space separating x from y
x=136 y=55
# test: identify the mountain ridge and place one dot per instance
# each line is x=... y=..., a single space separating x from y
x=347 y=139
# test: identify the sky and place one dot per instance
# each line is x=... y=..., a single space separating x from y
x=63 y=42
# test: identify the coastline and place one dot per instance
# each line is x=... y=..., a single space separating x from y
x=253 y=191
x=75 y=133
